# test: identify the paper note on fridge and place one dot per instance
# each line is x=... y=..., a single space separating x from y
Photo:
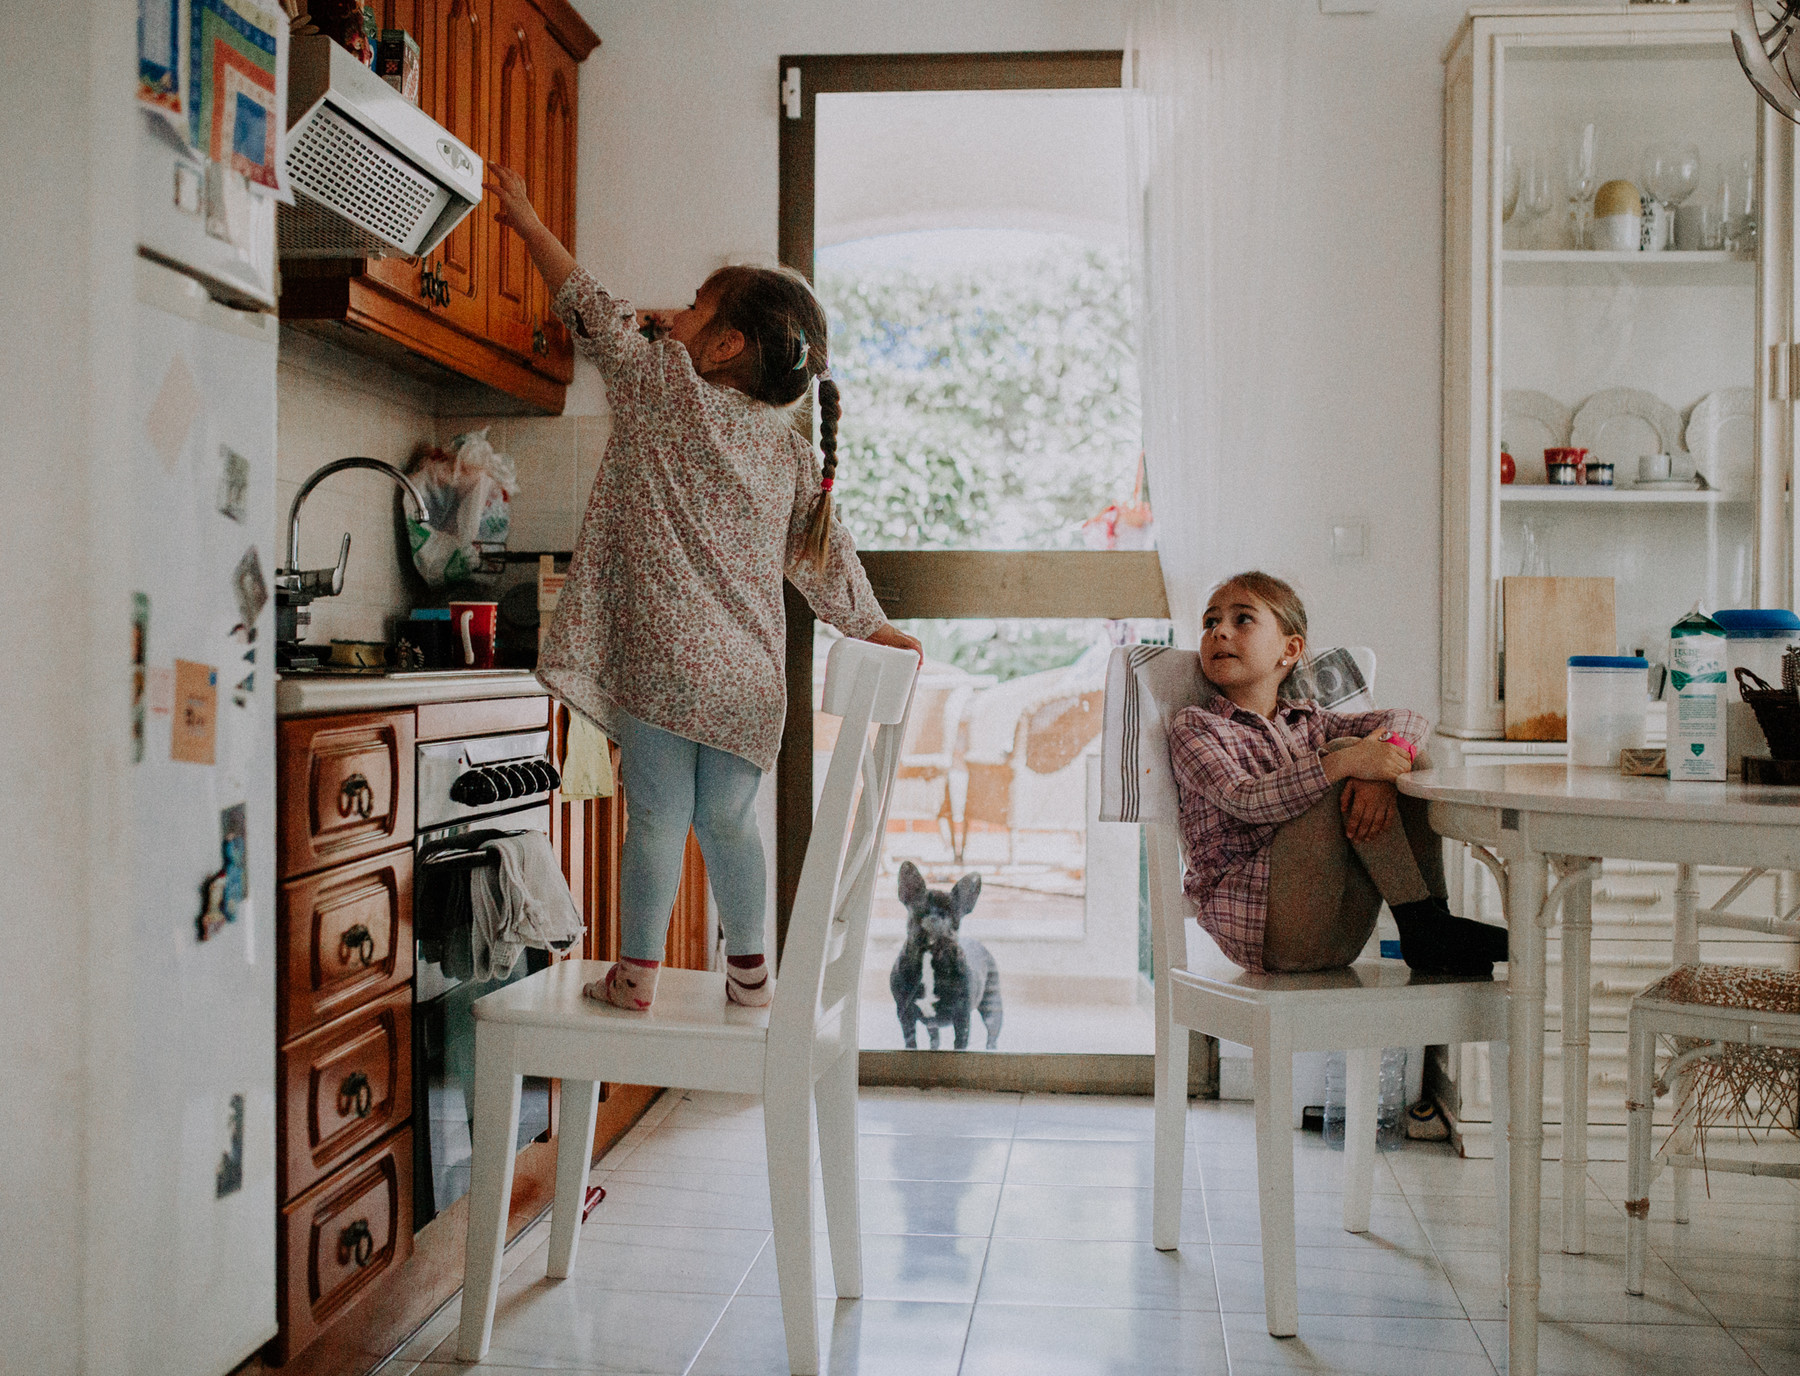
x=194 y=729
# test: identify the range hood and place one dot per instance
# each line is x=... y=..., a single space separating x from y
x=372 y=174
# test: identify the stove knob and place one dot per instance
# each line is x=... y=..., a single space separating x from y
x=504 y=780
x=550 y=774
x=474 y=789
x=541 y=774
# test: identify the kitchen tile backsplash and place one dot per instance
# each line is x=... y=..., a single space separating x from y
x=331 y=405
x=557 y=458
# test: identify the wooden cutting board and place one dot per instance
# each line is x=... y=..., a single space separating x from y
x=1547 y=620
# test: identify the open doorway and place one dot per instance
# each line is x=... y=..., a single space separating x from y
x=964 y=221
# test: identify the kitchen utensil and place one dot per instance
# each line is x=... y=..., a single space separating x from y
x=472 y=627
x=1735 y=196
x=1618 y=217
x=1562 y=467
x=1581 y=176
x=1671 y=175
x=1597 y=473
x=1547 y=620
x=1653 y=468
x=1537 y=192
x=1691 y=227
x=1530 y=423
x=1721 y=435
x=1621 y=423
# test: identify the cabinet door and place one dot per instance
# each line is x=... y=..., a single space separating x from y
x=346 y=938
x=418 y=18
x=342 y=1087
x=461 y=91
x=553 y=353
x=514 y=141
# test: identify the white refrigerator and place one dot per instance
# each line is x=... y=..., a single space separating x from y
x=202 y=1198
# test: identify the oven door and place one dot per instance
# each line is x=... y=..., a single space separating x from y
x=443 y=1023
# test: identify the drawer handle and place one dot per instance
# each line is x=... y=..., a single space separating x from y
x=356 y=1243
x=355 y=1095
x=357 y=941
x=355 y=797
x=540 y=345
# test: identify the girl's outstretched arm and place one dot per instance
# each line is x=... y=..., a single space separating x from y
x=513 y=209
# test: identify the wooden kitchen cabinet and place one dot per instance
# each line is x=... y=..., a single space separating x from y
x=346 y=788
x=500 y=75
x=346 y=938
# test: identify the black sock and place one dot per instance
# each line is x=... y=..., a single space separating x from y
x=1433 y=938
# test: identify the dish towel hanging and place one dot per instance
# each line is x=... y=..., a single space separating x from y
x=587 y=767
x=521 y=901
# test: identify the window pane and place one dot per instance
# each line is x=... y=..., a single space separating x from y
x=971 y=255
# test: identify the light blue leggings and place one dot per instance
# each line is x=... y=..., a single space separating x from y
x=672 y=783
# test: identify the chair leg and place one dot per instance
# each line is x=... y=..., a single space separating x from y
x=836 y=1097
x=1640 y=1109
x=1362 y=1088
x=1498 y=1081
x=574 y=1157
x=1170 y=1160
x=787 y=1128
x=490 y=1186
x=1274 y=1071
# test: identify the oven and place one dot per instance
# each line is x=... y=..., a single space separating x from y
x=468 y=791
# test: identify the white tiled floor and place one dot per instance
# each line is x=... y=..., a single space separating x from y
x=1010 y=1234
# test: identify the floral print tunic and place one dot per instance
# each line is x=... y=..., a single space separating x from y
x=672 y=610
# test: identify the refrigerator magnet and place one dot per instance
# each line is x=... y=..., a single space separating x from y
x=234 y=484
x=251 y=590
x=193 y=732
x=140 y=644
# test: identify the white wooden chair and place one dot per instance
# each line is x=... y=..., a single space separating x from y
x=1358 y=1010
x=802 y=1047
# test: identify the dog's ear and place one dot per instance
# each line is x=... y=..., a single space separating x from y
x=912 y=884
x=963 y=896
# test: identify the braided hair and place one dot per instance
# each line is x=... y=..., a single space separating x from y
x=785 y=348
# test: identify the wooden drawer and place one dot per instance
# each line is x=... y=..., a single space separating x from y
x=346 y=786
x=446 y=721
x=342 y=1237
x=342 y=1087
x=345 y=938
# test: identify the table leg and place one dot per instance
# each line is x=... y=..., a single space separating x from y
x=1686 y=952
x=1525 y=1131
x=1577 y=946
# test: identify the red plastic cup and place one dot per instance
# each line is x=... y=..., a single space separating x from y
x=472 y=626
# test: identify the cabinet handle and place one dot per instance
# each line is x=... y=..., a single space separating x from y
x=355 y=797
x=356 y=1243
x=434 y=286
x=355 y=1096
x=357 y=941
x=539 y=344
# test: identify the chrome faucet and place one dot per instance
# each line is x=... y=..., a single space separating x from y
x=296 y=588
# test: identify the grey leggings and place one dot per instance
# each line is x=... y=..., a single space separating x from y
x=1325 y=891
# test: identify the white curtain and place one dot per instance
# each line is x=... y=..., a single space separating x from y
x=1210 y=86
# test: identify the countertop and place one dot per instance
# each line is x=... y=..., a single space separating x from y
x=1559 y=788
x=307 y=694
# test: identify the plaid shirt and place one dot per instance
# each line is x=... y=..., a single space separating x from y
x=1241 y=776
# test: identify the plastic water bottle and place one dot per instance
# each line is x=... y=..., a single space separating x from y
x=1390 y=1110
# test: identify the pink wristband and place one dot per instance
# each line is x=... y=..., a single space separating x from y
x=1400 y=742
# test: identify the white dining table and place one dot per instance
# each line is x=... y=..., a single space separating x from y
x=1543 y=829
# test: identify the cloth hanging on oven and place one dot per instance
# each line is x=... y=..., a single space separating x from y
x=523 y=900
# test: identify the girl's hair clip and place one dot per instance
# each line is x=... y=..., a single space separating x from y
x=805 y=352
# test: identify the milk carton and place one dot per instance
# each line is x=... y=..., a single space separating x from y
x=1697 y=713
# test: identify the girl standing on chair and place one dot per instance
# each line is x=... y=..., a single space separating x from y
x=1294 y=830
x=670 y=633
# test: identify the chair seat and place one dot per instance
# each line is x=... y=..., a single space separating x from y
x=689 y=1003
x=1746 y=987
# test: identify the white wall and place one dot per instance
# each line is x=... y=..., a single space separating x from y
x=678 y=174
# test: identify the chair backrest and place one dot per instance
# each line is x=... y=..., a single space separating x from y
x=1146 y=685
x=821 y=964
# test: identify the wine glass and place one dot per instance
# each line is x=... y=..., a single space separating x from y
x=1736 y=197
x=1581 y=178
x=1671 y=173
x=1509 y=185
x=1537 y=191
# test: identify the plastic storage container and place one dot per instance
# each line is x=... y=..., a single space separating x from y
x=1608 y=698
x=1754 y=639
x=1390 y=1110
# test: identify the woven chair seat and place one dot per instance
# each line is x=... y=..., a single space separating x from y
x=1730 y=986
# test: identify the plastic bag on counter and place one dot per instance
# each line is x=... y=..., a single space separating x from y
x=468 y=488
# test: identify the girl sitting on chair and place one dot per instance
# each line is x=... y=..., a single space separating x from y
x=1289 y=811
